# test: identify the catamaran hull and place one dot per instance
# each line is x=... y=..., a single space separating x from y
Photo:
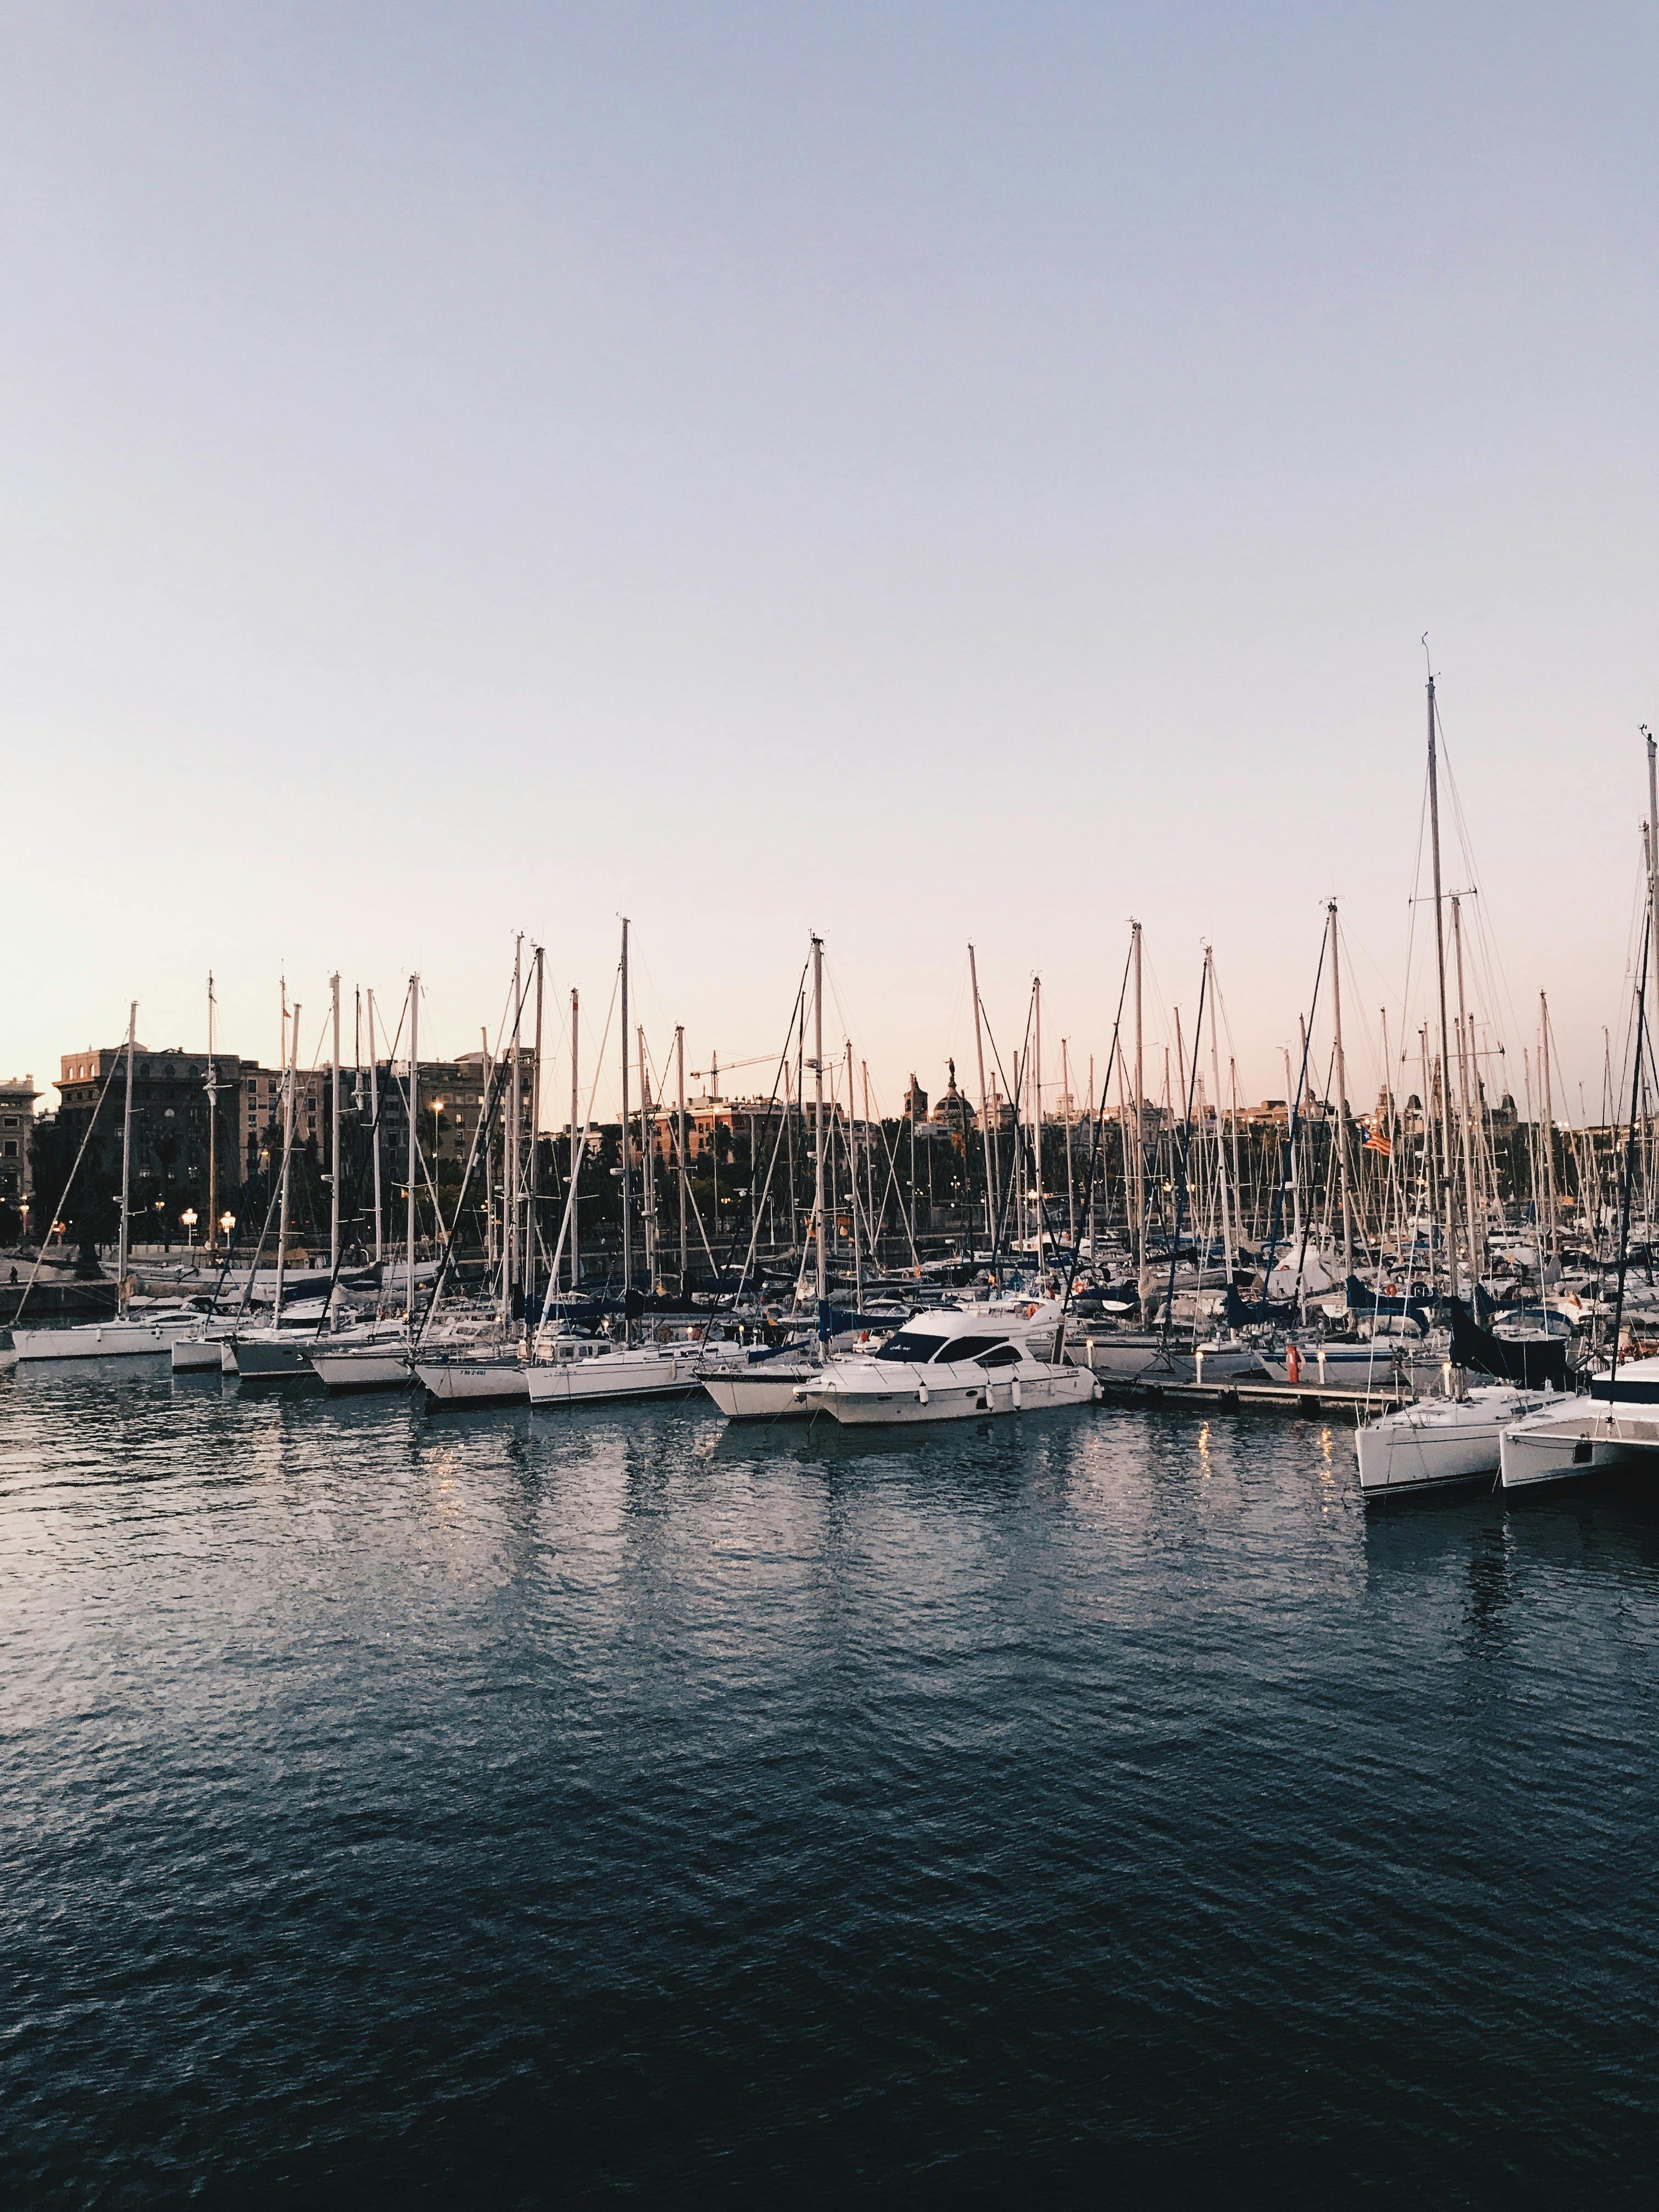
x=1574 y=1445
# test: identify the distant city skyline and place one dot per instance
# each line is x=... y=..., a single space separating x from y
x=917 y=475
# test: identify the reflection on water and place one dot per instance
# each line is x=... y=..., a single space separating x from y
x=499 y=1805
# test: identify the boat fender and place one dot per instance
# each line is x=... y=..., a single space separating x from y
x=1014 y=1390
x=922 y=1394
x=1030 y=1313
x=1292 y=1363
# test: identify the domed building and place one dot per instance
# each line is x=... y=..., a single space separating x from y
x=953 y=1111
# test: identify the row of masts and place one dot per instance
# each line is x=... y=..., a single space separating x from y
x=1458 y=1183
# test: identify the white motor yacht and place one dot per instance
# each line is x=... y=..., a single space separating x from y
x=954 y=1364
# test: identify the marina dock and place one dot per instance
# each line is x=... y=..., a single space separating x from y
x=1265 y=1395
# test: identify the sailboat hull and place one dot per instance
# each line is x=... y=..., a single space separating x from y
x=768 y=1392
x=253 y=1361
x=113 y=1339
x=473 y=1382
x=367 y=1367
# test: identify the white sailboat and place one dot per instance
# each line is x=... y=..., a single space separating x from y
x=585 y=1370
x=1617 y=1426
x=771 y=1389
x=128 y=1333
x=1456 y=1438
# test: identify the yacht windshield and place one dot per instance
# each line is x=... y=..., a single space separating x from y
x=971 y=1347
x=909 y=1344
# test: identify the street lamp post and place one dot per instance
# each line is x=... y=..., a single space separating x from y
x=188 y=1220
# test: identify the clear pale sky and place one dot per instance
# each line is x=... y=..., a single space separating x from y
x=912 y=472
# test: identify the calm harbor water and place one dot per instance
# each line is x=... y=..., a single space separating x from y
x=513 y=1809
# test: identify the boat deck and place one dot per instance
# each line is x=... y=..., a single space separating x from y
x=1266 y=1395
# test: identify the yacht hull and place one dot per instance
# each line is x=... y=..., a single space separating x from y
x=1438 y=1442
x=1571 y=1445
x=198 y=1355
x=113 y=1339
x=473 y=1382
x=368 y=1368
x=598 y=1382
x=953 y=1400
x=252 y=1361
x=766 y=1393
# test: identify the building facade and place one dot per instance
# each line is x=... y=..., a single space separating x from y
x=16 y=1149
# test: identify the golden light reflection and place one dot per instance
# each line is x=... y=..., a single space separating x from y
x=1203 y=1451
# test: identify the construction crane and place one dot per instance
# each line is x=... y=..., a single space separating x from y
x=715 y=1071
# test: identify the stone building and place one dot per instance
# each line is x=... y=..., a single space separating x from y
x=16 y=1129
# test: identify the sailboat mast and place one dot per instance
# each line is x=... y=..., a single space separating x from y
x=494 y=1238
x=1138 y=1095
x=818 y=1148
x=575 y=1133
x=510 y=1211
x=374 y=1125
x=984 y=1109
x=853 y=1187
x=1341 y=1099
x=647 y=1167
x=414 y=1095
x=1037 y=1114
x=291 y=1080
x=1465 y=1085
x=1070 y=1188
x=679 y=1079
x=1220 y=1141
x=627 y=1211
x=122 y=1291
x=334 y=1145
x=1544 y=1059
x=213 y=1133
x=1445 y=1029
x=533 y=1227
